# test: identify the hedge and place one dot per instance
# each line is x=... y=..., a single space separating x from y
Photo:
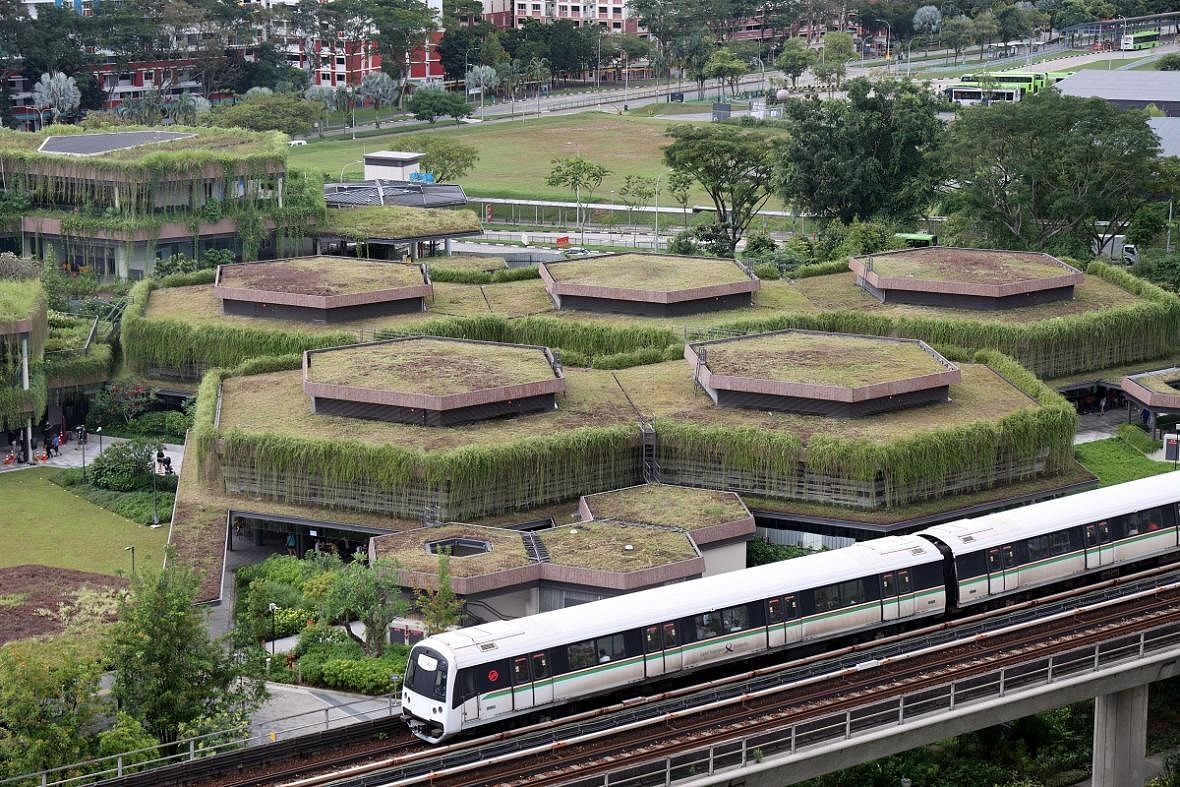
x=72 y=369
x=461 y=276
x=18 y=404
x=171 y=344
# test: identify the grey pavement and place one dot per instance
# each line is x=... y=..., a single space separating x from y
x=72 y=454
x=1095 y=426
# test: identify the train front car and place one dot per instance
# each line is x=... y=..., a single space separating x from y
x=426 y=690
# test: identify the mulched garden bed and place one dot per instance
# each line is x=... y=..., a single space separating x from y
x=26 y=589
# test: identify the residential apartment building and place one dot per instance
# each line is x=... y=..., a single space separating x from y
x=612 y=15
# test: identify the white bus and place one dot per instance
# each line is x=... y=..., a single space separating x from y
x=967 y=95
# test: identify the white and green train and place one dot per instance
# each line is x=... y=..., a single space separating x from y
x=488 y=673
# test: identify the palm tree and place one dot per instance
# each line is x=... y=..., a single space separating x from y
x=56 y=92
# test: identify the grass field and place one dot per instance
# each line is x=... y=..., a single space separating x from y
x=515 y=158
x=672 y=506
x=44 y=524
x=1114 y=461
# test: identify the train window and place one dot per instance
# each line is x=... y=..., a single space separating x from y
x=735 y=619
x=1104 y=532
x=610 y=648
x=903 y=582
x=581 y=655
x=887 y=587
x=464 y=688
x=651 y=639
x=671 y=635
x=774 y=610
x=520 y=670
x=852 y=592
x=540 y=666
x=1009 y=556
x=827 y=598
x=970 y=565
x=1091 y=535
x=708 y=625
x=993 y=560
x=792 y=605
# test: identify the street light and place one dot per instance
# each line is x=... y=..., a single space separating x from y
x=82 y=445
x=659 y=178
x=762 y=66
x=272 y=608
x=346 y=166
x=155 y=472
x=131 y=549
x=98 y=432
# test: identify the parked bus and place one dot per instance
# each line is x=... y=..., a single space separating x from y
x=968 y=95
x=1029 y=82
x=1145 y=39
x=917 y=240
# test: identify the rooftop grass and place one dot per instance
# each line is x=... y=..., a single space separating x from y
x=981 y=266
x=411 y=550
x=213 y=145
x=274 y=404
x=20 y=300
x=435 y=367
x=467 y=262
x=601 y=546
x=391 y=222
x=665 y=390
x=1165 y=381
x=821 y=359
x=669 y=506
x=321 y=275
x=839 y=292
x=650 y=272
x=1115 y=374
x=44 y=524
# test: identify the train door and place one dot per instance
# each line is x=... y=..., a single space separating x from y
x=1099 y=552
x=542 y=679
x=905 y=594
x=653 y=652
x=1011 y=574
x=889 y=596
x=782 y=621
x=995 y=572
x=794 y=624
x=522 y=685
x=673 y=650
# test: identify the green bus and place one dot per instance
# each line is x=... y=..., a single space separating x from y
x=1028 y=81
x=917 y=240
x=1053 y=77
x=1145 y=39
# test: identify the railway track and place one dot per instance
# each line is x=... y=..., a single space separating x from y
x=816 y=699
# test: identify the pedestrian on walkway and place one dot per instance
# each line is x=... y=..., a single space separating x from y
x=56 y=444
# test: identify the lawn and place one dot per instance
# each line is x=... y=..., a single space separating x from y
x=1114 y=461
x=968 y=265
x=648 y=273
x=321 y=276
x=47 y=525
x=671 y=506
x=515 y=158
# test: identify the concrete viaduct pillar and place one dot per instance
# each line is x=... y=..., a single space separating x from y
x=1120 y=738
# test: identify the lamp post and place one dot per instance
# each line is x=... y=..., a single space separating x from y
x=98 y=432
x=659 y=179
x=1119 y=38
x=888 y=32
x=346 y=166
x=272 y=608
x=762 y=66
x=82 y=444
x=131 y=549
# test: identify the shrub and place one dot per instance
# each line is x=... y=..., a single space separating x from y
x=1134 y=436
x=128 y=735
x=367 y=676
x=767 y=270
x=118 y=403
x=123 y=467
x=759 y=244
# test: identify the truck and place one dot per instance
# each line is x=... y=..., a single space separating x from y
x=1116 y=249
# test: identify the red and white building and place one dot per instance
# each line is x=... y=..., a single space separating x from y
x=611 y=15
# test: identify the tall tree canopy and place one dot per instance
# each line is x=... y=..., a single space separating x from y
x=733 y=167
x=865 y=156
x=1038 y=174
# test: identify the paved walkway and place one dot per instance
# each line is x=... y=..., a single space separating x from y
x=73 y=456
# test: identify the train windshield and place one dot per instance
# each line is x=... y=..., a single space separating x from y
x=426 y=673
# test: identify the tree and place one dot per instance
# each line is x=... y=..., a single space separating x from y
x=863 y=156
x=795 y=58
x=288 y=114
x=483 y=78
x=48 y=705
x=430 y=104
x=368 y=594
x=680 y=187
x=577 y=174
x=1169 y=62
x=637 y=190
x=168 y=672
x=447 y=159
x=727 y=69
x=733 y=167
x=57 y=93
x=379 y=88
x=986 y=28
x=833 y=61
x=1038 y=174
x=324 y=95
x=187 y=108
x=957 y=32
x=927 y=22
x=441 y=609
x=401 y=27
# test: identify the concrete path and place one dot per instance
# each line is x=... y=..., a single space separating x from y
x=73 y=456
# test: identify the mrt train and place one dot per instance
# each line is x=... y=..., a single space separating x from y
x=491 y=672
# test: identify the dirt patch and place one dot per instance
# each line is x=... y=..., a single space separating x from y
x=981 y=266
x=26 y=589
x=321 y=276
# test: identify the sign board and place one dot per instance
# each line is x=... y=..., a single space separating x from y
x=563 y=241
x=421 y=177
x=721 y=111
x=1172 y=447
